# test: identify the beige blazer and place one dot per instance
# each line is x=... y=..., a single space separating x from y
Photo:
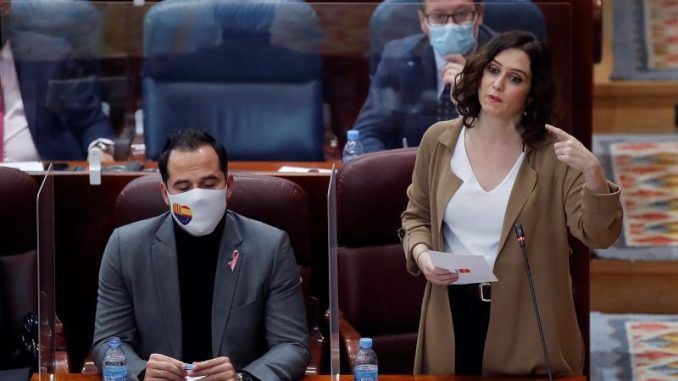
x=548 y=199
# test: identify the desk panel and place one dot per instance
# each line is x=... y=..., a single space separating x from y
x=382 y=377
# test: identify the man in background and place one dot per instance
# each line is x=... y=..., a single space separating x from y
x=49 y=105
x=411 y=87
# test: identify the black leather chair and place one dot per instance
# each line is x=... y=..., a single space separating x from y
x=18 y=267
x=204 y=66
x=378 y=298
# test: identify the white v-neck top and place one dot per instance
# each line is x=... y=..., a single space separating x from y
x=474 y=217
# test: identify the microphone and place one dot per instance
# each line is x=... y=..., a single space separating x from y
x=520 y=234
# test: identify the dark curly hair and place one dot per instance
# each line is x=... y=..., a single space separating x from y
x=540 y=108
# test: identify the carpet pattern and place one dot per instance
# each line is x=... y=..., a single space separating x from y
x=645 y=166
x=648 y=175
x=654 y=349
x=645 y=40
x=634 y=347
x=661 y=32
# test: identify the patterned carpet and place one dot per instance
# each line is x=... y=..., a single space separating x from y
x=648 y=174
x=662 y=34
x=634 y=347
x=646 y=167
x=645 y=39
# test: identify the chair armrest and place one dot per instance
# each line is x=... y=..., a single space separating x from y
x=316 y=345
x=62 y=364
x=316 y=340
x=349 y=336
x=89 y=367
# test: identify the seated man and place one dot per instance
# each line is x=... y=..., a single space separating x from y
x=49 y=108
x=411 y=87
x=201 y=284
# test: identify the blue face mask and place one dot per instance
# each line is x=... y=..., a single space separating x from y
x=452 y=38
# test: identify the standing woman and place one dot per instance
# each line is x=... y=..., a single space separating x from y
x=475 y=177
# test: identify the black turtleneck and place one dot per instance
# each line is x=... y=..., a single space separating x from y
x=197 y=259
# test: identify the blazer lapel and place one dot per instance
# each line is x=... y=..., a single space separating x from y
x=449 y=182
x=522 y=189
x=226 y=280
x=166 y=278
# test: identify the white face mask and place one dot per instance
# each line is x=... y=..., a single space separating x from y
x=198 y=211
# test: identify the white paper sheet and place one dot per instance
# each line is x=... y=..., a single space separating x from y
x=291 y=169
x=471 y=268
x=26 y=166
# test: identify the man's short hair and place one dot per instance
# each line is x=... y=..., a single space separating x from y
x=422 y=4
x=187 y=141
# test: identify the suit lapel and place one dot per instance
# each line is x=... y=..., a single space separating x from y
x=226 y=280
x=522 y=189
x=429 y=65
x=166 y=277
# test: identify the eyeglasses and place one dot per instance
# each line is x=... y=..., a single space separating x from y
x=439 y=19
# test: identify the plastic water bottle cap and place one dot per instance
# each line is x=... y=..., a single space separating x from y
x=365 y=342
x=353 y=134
x=114 y=342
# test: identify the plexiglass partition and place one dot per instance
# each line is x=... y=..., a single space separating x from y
x=273 y=81
x=46 y=286
x=332 y=275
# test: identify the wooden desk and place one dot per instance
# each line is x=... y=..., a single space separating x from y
x=268 y=167
x=384 y=377
x=83 y=223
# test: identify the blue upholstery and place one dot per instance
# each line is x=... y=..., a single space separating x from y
x=247 y=72
x=77 y=22
x=393 y=19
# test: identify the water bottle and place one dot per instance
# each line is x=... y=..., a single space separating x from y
x=353 y=147
x=366 y=367
x=138 y=146
x=115 y=361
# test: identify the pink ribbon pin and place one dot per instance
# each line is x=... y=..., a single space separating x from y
x=234 y=259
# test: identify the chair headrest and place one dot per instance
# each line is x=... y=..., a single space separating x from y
x=371 y=195
x=65 y=18
x=230 y=40
x=43 y=23
x=275 y=201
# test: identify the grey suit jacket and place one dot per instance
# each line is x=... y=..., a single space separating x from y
x=258 y=317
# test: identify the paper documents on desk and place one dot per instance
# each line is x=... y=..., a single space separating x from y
x=26 y=166
x=291 y=169
x=471 y=268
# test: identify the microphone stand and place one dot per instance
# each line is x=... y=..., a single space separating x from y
x=521 y=241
